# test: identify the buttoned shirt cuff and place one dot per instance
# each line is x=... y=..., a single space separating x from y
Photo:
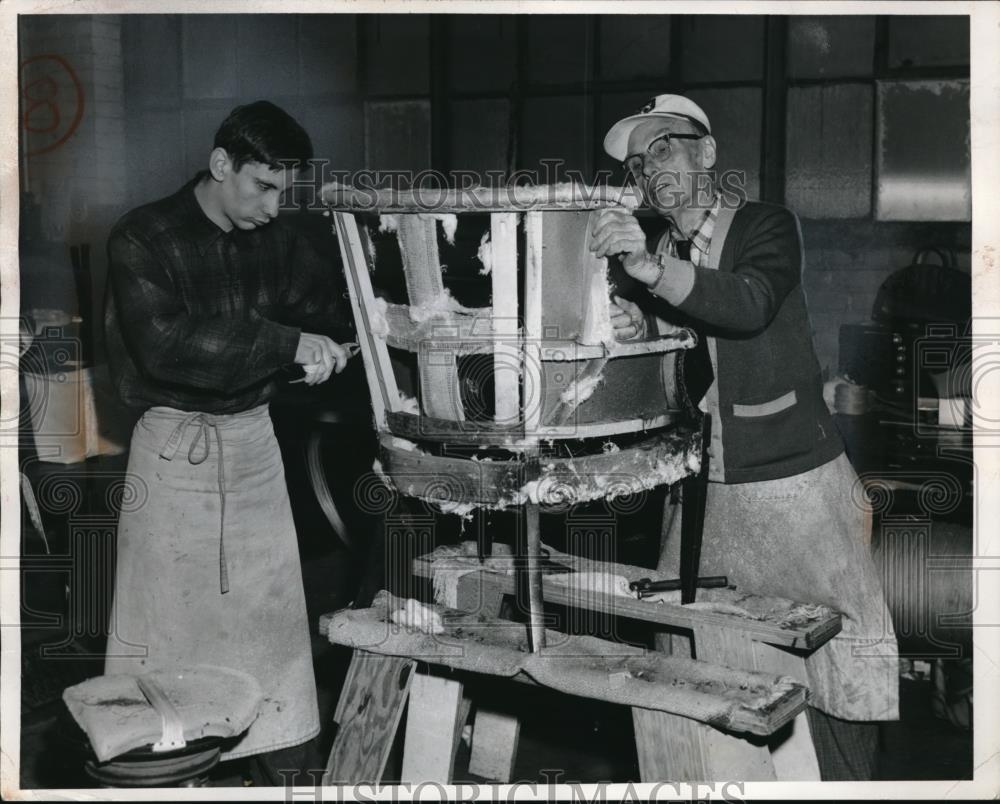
x=676 y=282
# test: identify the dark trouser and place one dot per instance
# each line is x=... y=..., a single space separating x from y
x=847 y=750
x=300 y=765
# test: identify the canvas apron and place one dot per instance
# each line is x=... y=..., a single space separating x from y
x=804 y=538
x=208 y=511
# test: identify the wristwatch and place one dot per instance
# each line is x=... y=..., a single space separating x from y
x=662 y=265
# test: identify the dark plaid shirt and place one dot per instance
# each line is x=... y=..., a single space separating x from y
x=200 y=319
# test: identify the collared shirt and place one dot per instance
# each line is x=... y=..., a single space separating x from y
x=675 y=284
x=701 y=237
x=200 y=319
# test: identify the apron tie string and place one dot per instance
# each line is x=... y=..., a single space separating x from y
x=197 y=454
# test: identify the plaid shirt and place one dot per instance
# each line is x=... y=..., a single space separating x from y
x=200 y=319
x=701 y=237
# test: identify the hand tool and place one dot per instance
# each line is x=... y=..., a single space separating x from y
x=352 y=350
x=645 y=587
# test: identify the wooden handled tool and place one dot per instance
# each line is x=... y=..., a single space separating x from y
x=645 y=586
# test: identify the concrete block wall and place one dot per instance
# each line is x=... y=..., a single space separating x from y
x=846 y=263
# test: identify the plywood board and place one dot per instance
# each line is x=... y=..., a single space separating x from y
x=368 y=712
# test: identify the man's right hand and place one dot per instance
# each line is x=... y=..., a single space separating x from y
x=321 y=357
x=617 y=232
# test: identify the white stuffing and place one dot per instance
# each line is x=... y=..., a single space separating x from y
x=408 y=404
x=485 y=254
x=436 y=307
x=378 y=322
x=578 y=392
x=416 y=616
x=403 y=444
x=449 y=224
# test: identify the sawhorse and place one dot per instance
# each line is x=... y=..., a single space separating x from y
x=671 y=745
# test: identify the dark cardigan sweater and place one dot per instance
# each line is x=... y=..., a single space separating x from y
x=774 y=422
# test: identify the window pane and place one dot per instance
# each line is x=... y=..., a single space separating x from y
x=337 y=133
x=830 y=47
x=729 y=48
x=635 y=46
x=554 y=128
x=398 y=51
x=829 y=151
x=479 y=134
x=558 y=49
x=923 y=151
x=398 y=135
x=328 y=53
x=735 y=115
x=483 y=49
x=928 y=41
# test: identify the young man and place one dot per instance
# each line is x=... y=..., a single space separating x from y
x=785 y=515
x=208 y=298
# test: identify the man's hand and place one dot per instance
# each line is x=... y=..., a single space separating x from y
x=627 y=319
x=320 y=357
x=616 y=231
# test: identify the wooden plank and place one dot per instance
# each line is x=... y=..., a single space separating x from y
x=730 y=756
x=806 y=636
x=429 y=428
x=478 y=599
x=437 y=368
x=681 y=749
x=368 y=712
x=514 y=198
x=472 y=331
x=532 y=390
x=667 y=748
x=378 y=368
x=792 y=749
x=507 y=365
x=466 y=330
x=593 y=274
x=661 y=459
x=733 y=699
x=433 y=723
x=494 y=745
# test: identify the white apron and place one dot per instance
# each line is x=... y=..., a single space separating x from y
x=805 y=538
x=192 y=528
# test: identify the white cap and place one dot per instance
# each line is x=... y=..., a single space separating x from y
x=677 y=106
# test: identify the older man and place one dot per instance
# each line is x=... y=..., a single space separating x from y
x=208 y=298
x=784 y=514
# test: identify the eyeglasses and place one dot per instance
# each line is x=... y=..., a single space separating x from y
x=659 y=149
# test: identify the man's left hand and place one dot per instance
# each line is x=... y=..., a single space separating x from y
x=627 y=319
